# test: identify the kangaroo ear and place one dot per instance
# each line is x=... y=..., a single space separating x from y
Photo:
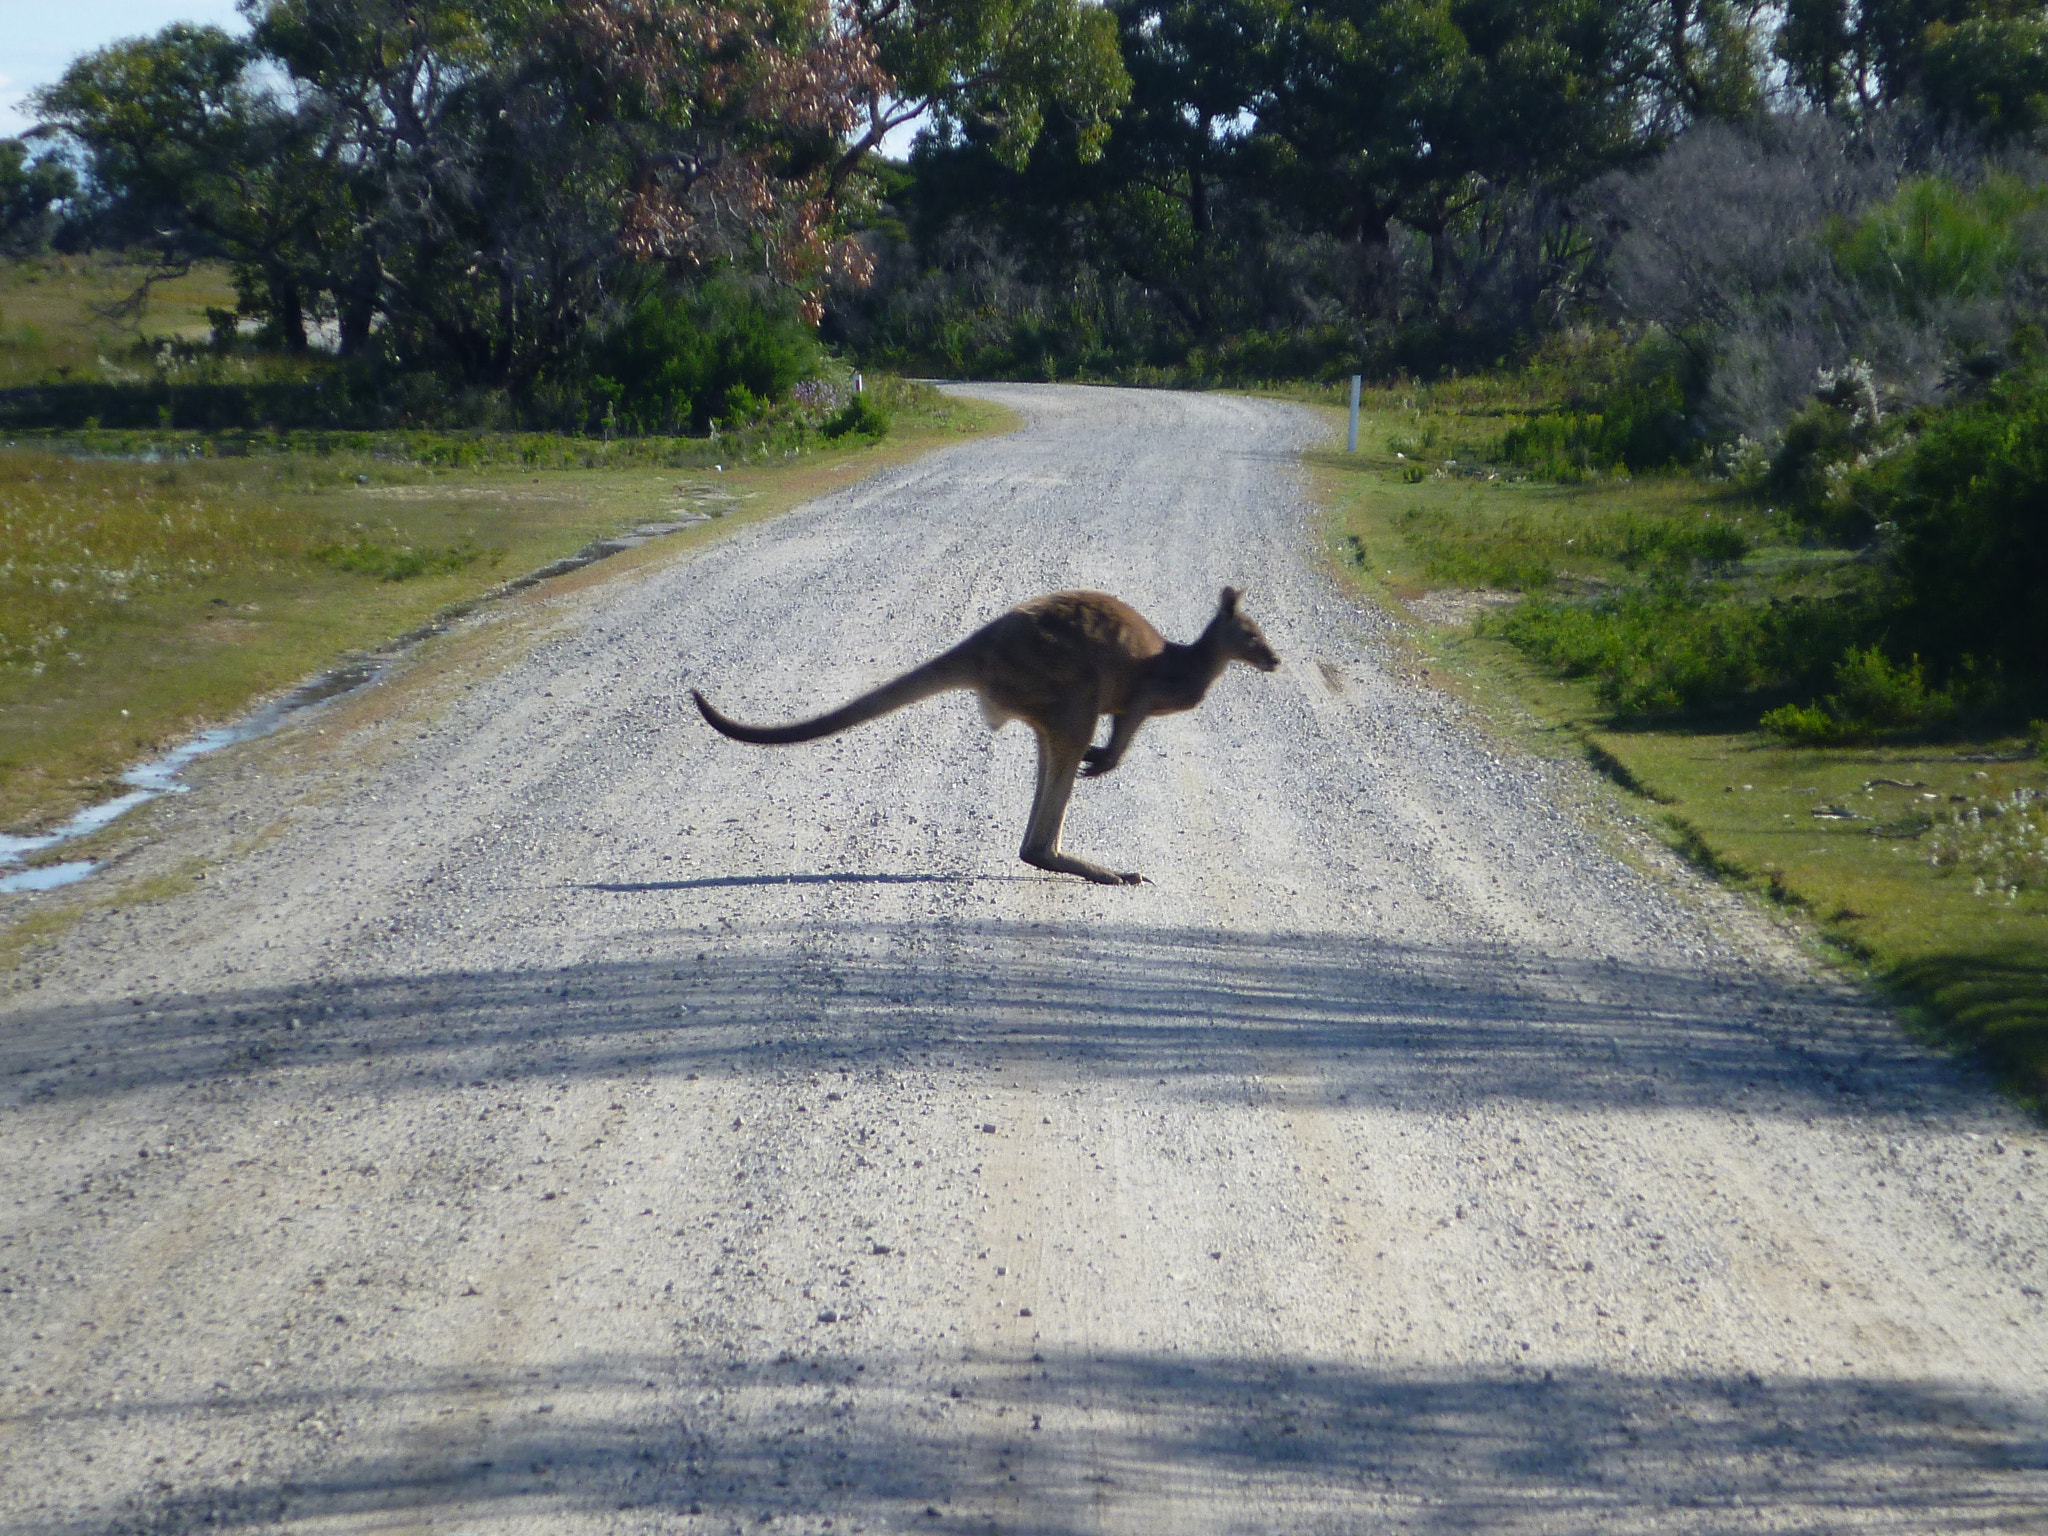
x=1230 y=597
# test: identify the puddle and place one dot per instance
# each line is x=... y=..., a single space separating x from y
x=159 y=777
x=47 y=878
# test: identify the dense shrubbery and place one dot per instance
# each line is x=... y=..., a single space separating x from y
x=1858 y=311
x=1874 y=696
x=673 y=362
x=1969 y=505
x=1633 y=428
x=1670 y=645
x=681 y=361
x=859 y=417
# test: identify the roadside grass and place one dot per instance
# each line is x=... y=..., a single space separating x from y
x=1872 y=848
x=144 y=597
x=63 y=317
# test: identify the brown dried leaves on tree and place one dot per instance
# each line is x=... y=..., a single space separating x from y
x=734 y=114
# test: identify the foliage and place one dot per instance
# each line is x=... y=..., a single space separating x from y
x=30 y=190
x=1875 y=696
x=860 y=417
x=1934 y=242
x=1666 y=645
x=1989 y=72
x=187 y=156
x=1969 y=500
x=1634 y=428
x=686 y=360
x=470 y=187
x=364 y=556
x=1302 y=189
x=996 y=66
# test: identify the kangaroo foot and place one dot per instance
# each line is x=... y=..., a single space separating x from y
x=1067 y=864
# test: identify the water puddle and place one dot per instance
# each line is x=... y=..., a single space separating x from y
x=159 y=777
x=47 y=878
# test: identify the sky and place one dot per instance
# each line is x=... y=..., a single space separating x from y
x=39 y=37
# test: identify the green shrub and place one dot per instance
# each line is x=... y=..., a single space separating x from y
x=386 y=562
x=1636 y=427
x=1970 y=502
x=1803 y=725
x=1935 y=241
x=1874 y=696
x=683 y=360
x=1665 y=646
x=860 y=416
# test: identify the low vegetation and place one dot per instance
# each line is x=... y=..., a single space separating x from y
x=151 y=583
x=1798 y=683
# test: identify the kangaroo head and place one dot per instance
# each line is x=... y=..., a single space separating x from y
x=1238 y=638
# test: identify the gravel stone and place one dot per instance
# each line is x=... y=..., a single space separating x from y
x=567 y=970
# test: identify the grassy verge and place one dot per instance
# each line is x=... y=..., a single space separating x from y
x=144 y=596
x=68 y=317
x=1920 y=862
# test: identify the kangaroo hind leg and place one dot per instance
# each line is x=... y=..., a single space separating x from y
x=1059 y=762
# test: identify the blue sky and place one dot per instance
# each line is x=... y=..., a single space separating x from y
x=39 y=37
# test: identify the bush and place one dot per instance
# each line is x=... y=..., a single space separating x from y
x=1636 y=427
x=722 y=353
x=1935 y=243
x=1663 y=646
x=859 y=417
x=1874 y=696
x=1970 y=502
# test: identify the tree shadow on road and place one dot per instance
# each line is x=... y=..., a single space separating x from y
x=1380 y=1022
x=1058 y=1443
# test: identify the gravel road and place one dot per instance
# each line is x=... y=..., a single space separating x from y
x=585 y=1123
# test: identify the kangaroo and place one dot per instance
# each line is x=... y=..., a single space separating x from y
x=1057 y=663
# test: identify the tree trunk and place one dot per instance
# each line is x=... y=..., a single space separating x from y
x=358 y=305
x=287 y=311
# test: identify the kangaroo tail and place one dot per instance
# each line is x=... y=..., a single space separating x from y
x=935 y=676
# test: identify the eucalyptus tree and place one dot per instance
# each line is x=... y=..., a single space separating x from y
x=31 y=188
x=992 y=66
x=191 y=159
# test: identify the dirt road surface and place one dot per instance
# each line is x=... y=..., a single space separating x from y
x=586 y=1123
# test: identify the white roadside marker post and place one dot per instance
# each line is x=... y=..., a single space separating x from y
x=1353 y=448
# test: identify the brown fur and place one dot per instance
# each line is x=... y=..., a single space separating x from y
x=1058 y=663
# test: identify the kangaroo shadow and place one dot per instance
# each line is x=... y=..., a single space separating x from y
x=848 y=877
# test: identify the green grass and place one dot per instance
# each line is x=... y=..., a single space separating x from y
x=398 y=561
x=141 y=600
x=1901 y=878
x=66 y=317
